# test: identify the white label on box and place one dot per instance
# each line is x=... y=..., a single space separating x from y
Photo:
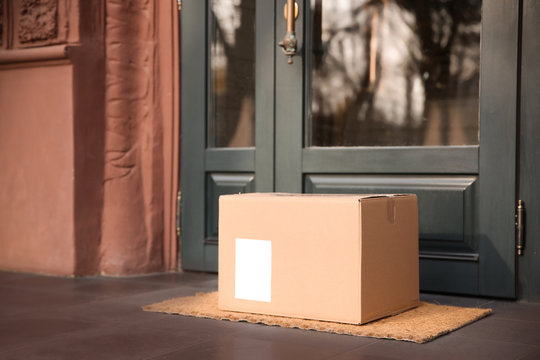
x=253 y=270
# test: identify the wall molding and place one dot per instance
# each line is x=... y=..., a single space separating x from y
x=46 y=53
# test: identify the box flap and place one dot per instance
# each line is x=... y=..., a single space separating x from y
x=358 y=197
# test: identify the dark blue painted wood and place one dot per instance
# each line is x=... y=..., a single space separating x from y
x=218 y=184
x=441 y=275
x=265 y=50
x=498 y=118
x=229 y=159
x=444 y=202
x=529 y=185
x=392 y=160
x=193 y=64
x=289 y=109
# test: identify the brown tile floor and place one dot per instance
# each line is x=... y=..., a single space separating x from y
x=100 y=318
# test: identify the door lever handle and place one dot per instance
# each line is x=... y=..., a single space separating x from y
x=289 y=42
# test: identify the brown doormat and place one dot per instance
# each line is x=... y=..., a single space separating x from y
x=420 y=325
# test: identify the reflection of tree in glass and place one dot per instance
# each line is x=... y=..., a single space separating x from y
x=390 y=72
x=232 y=64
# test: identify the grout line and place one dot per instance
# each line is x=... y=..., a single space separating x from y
x=498 y=341
x=181 y=348
x=487 y=303
x=502 y=317
x=359 y=347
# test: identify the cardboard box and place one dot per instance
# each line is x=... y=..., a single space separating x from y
x=343 y=258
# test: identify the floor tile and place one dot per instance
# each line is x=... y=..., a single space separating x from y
x=500 y=329
x=532 y=355
x=9 y=277
x=121 y=342
x=94 y=286
x=197 y=327
x=445 y=348
x=126 y=309
x=194 y=279
x=19 y=300
x=238 y=348
x=43 y=317
x=21 y=331
x=516 y=310
x=465 y=301
x=164 y=294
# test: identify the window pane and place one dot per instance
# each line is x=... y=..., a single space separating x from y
x=394 y=72
x=232 y=73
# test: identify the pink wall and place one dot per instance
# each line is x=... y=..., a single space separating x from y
x=36 y=162
x=89 y=134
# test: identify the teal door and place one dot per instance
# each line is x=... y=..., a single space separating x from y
x=382 y=96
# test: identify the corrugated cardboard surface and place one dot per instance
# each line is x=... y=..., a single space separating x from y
x=390 y=278
x=344 y=258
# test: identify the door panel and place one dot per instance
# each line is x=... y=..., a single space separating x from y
x=223 y=184
x=218 y=184
x=446 y=205
x=449 y=276
x=444 y=202
x=482 y=253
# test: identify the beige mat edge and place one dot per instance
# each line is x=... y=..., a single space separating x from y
x=419 y=325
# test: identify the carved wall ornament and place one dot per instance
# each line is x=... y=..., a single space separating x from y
x=132 y=227
x=38 y=20
x=37 y=23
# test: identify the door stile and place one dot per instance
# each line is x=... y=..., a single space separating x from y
x=194 y=68
x=264 y=95
x=289 y=108
x=498 y=122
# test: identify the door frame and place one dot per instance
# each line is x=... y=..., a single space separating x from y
x=498 y=131
x=529 y=171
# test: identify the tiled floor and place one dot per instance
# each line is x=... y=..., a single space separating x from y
x=100 y=318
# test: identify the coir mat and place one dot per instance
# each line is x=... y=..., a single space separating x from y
x=421 y=324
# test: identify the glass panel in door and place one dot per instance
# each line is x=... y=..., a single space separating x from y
x=231 y=120
x=393 y=73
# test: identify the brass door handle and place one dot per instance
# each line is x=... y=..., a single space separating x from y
x=289 y=42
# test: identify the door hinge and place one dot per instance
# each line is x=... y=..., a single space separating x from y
x=520 y=227
x=178 y=211
x=179 y=4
